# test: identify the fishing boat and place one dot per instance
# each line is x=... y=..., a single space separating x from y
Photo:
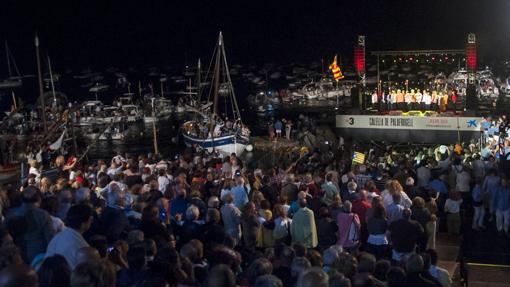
x=209 y=131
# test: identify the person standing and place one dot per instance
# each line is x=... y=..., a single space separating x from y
x=70 y=240
x=500 y=204
x=349 y=227
x=278 y=126
x=231 y=216
x=452 y=209
x=288 y=129
x=30 y=226
x=302 y=228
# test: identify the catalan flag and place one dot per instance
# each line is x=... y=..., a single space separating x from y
x=335 y=69
x=358 y=157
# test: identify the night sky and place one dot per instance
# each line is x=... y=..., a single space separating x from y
x=145 y=33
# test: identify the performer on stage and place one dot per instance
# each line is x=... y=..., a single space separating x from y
x=427 y=100
x=413 y=100
x=374 y=100
x=394 y=100
x=400 y=100
x=408 y=101
x=419 y=100
x=434 y=101
x=454 y=100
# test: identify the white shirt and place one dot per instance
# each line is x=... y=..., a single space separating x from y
x=66 y=243
x=163 y=181
x=462 y=181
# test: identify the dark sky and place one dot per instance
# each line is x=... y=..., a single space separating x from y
x=144 y=32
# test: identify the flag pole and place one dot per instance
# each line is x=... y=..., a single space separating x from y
x=39 y=76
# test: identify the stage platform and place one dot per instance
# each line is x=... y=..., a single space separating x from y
x=415 y=127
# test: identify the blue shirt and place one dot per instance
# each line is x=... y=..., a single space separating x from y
x=477 y=193
x=438 y=185
x=240 y=196
x=278 y=125
x=178 y=205
x=500 y=198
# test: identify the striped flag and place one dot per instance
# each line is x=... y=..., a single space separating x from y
x=335 y=69
x=358 y=157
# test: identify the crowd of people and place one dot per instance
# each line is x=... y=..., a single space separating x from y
x=415 y=99
x=205 y=220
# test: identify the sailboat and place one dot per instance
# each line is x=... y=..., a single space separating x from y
x=11 y=81
x=205 y=131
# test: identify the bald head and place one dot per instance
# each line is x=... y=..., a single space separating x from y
x=19 y=275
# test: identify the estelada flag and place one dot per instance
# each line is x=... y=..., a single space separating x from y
x=335 y=69
x=358 y=157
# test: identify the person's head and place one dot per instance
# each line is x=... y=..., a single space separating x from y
x=410 y=181
x=135 y=236
x=418 y=202
x=381 y=269
x=54 y=271
x=300 y=249
x=315 y=258
x=313 y=277
x=323 y=212
x=268 y=281
x=366 y=263
x=396 y=277
x=31 y=195
x=352 y=186
x=18 y=275
x=258 y=268
x=396 y=197
x=347 y=206
x=363 y=194
x=99 y=274
x=150 y=213
x=299 y=265
x=213 y=215
x=79 y=217
x=221 y=276
x=346 y=264
x=414 y=264
x=330 y=256
x=192 y=213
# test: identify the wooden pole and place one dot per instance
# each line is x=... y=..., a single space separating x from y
x=41 y=92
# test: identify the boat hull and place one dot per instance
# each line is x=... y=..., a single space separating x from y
x=225 y=145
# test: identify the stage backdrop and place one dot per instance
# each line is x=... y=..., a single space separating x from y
x=420 y=129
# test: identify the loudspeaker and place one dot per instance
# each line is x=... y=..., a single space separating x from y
x=355 y=97
x=471 y=98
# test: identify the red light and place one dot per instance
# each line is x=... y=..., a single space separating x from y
x=471 y=57
x=359 y=59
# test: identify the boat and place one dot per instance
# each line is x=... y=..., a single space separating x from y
x=205 y=131
x=11 y=81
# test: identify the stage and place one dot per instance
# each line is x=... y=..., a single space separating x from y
x=409 y=128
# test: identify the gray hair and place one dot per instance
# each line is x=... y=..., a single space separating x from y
x=299 y=265
x=352 y=185
x=347 y=206
x=330 y=256
x=192 y=213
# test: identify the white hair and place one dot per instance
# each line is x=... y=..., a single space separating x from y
x=192 y=213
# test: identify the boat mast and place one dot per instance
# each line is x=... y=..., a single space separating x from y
x=8 y=59
x=52 y=83
x=41 y=95
x=217 y=75
x=235 y=108
x=199 y=70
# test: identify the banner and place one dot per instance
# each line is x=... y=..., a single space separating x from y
x=471 y=124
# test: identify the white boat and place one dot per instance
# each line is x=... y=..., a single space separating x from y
x=233 y=140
